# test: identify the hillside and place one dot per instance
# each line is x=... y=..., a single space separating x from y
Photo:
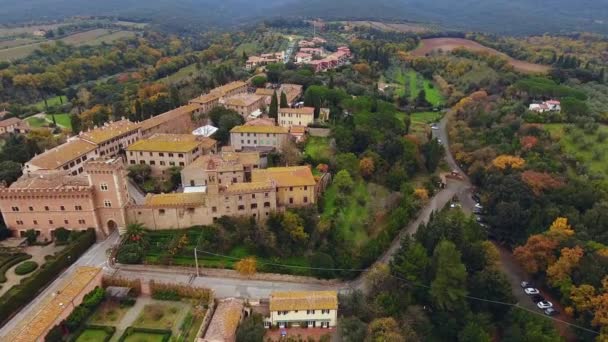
x=499 y=16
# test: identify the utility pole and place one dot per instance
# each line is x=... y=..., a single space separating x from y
x=196 y=262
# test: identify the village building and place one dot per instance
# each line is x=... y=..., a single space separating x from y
x=112 y=137
x=292 y=92
x=289 y=117
x=307 y=309
x=57 y=307
x=261 y=122
x=206 y=102
x=298 y=132
x=258 y=137
x=303 y=57
x=226 y=318
x=264 y=59
x=69 y=157
x=332 y=61
x=175 y=121
x=47 y=200
x=295 y=184
x=319 y=52
x=245 y=104
x=223 y=168
x=13 y=125
x=546 y=106
x=230 y=89
x=163 y=151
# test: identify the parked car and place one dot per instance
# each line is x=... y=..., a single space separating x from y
x=476 y=198
x=478 y=211
x=439 y=141
x=537 y=298
x=478 y=206
x=434 y=126
x=551 y=312
x=545 y=304
x=531 y=291
x=525 y=284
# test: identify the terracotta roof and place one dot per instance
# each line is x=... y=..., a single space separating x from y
x=228 y=87
x=225 y=320
x=11 y=122
x=250 y=186
x=259 y=129
x=175 y=114
x=265 y=92
x=45 y=315
x=54 y=179
x=172 y=143
x=245 y=158
x=62 y=154
x=109 y=131
x=303 y=110
x=303 y=300
x=215 y=162
x=285 y=176
x=297 y=130
x=205 y=98
x=244 y=100
x=261 y=122
x=175 y=199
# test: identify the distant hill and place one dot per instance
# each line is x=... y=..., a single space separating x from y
x=499 y=16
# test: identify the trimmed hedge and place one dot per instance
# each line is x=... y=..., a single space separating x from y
x=19 y=258
x=109 y=330
x=131 y=330
x=21 y=294
x=26 y=267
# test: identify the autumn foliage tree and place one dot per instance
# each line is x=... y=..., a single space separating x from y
x=366 y=167
x=540 y=181
x=537 y=254
x=560 y=229
x=247 y=266
x=505 y=161
x=559 y=273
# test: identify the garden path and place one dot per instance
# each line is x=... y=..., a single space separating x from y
x=38 y=253
x=130 y=317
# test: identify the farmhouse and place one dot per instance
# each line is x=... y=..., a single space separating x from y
x=162 y=151
x=303 y=309
x=546 y=106
x=303 y=57
x=13 y=125
x=264 y=59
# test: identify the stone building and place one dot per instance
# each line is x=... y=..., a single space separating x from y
x=224 y=168
x=289 y=117
x=51 y=199
x=162 y=151
x=295 y=185
x=176 y=121
x=255 y=137
x=245 y=104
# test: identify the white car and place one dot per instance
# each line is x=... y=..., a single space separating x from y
x=531 y=291
x=545 y=304
x=525 y=284
x=434 y=126
x=478 y=206
x=439 y=141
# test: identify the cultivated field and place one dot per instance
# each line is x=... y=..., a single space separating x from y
x=408 y=27
x=448 y=44
x=92 y=37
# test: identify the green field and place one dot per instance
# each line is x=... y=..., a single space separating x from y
x=181 y=74
x=93 y=335
x=410 y=82
x=588 y=148
x=318 y=149
x=248 y=48
x=144 y=337
x=426 y=117
x=354 y=218
x=51 y=101
x=61 y=119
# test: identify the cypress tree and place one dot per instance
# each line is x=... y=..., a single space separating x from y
x=284 y=103
x=273 y=111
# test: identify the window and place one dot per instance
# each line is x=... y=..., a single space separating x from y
x=15 y=208
x=305 y=199
x=291 y=201
x=161 y=212
x=50 y=221
x=324 y=311
x=305 y=188
x=180 y=155
x=214 y=209
x=266 y=204
x=252 y=195
x=291 y=188
x=46 y=208
x=160 y=154
x=66 y=221
x=107 y=204
x=181 y=164
x=310 y=312
x=19 y=222
x=62 y=208
x=266 y=195
x=152 y=162
x=103 y=187
x=241 y=207
x=172 y=163
x=151 y=154
x=142 y=162
x=162 y=163
x=190 y=210
x=31 y=208
x=170 y=154
x=78 y=208
x=81 y=221
x=240 y=198
x=132 y=162
x=254 y=206
x=35 y=222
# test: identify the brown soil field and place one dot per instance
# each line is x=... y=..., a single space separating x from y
x=448 y=44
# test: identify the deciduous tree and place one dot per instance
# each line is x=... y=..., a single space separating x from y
x=537 y=254
x=247 y=266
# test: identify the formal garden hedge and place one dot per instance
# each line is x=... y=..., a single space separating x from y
x=12 y=261
x=166 y=334
x=74 y=323
x=26 y=267
x=175 y=292
x=28 y=289
x=109 y=332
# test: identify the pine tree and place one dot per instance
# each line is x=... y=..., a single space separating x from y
x=273 y=111
x=76 y=123
x=284 y=103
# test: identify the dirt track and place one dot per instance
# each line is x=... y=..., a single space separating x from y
x=448 y=44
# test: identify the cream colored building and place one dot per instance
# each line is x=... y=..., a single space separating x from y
x=112 y=137
x=230 y=89
x=254 y=137
x=289 y=117
x=206 y=102
x=57 y=307
x=13 y=125
x=309 y=309
x=244 y=104
x=47 y=200
x=69 y=157
x=295 y=185
x=162 y=151
x=223 y=168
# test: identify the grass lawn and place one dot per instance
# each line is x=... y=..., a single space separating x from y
x=353 y=218
x=180 y=74
x=144 y=337
x=159 y=316
x=108 y=313
x=411 y=82
x=51 y=101
x=93 y=335
x=585 y=147
x=36 y=122
x=426 y=117
x=248 y=48
x=61 y=119
x=432 y=94
x=318 y=149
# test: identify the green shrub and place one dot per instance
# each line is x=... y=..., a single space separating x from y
x=166 y=295
x=26 y=267
x=128 y=302
x=130 y=331
x=130 y=254
x=92 y=299
x=10 y=263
